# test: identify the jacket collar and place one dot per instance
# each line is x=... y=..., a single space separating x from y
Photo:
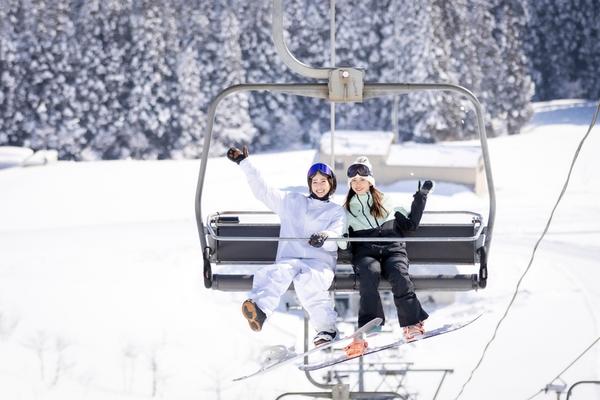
x=324 y=199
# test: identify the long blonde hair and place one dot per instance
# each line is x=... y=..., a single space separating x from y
x=376 y=209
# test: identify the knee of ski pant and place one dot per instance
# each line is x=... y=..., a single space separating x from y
x=366 y=266
x=315 y=279
x=397 y=256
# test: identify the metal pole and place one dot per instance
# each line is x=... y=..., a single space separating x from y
x=396 y=101
x=333 y=61
x=361 y=374
x=307 y=373
x=437 y=391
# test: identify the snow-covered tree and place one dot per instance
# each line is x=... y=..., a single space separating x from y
x=12 y=74
x=365 y=40
x=104 y=40
x=52 y=122
x=192 y=119
x=152 y=99
x=514 y=87
x=134 y=78
x=232 y=120
x=272 y=114
x=477 y=59
x=588 y=56
x=562 y=43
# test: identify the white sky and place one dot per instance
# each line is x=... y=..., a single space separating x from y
x=100 y=273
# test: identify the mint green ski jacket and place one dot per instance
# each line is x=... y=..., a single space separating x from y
x=359 y=217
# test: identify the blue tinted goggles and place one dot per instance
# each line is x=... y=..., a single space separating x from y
x=358 y=169
x=319 y=167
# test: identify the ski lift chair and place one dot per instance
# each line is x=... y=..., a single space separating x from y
x=251 y=238
x=247 y=237
x=240 y=237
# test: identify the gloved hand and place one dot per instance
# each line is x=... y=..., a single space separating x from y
x=236 y=155
x=426 y=188
x=317 y=239
x=401 y=223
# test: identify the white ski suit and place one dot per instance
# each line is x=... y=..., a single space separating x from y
x=311 y=269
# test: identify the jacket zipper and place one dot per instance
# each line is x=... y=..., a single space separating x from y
x=363 y=211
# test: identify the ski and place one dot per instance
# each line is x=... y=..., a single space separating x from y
x=432 y=333
x=277 y=356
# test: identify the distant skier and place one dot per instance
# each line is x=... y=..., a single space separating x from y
x=310 y=265
x=370 y=214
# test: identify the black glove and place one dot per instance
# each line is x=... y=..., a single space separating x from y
x=402 y=224
x=426 y=188
x=236 y=155
x=317 y=239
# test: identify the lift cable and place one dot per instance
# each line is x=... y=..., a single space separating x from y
x=518 y=286
x=568 y=366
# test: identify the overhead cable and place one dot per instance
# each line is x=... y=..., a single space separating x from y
x=518 y=286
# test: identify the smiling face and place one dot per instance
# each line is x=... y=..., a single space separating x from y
x=360 y=185
x=319 y=185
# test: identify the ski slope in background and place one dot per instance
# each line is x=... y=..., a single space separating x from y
x=101 y=293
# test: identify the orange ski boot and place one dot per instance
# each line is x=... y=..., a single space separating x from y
x=356 y=348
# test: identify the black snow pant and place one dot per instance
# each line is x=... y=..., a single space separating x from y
x=373 y=261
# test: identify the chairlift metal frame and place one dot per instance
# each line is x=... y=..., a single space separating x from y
x=344 y=85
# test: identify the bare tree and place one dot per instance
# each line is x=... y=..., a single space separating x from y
x=158 y=376
x=39 y=345
x=7 y=325
x=61 y=364
x=50 y=353
x=130 y=354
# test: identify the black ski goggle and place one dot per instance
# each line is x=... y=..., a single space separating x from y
x=358 y=169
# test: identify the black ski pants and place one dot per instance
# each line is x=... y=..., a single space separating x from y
x=389 y=261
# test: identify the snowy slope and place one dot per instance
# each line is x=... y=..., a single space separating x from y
x=101 y=293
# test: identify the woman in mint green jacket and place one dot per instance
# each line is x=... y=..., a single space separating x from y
x=371 y=214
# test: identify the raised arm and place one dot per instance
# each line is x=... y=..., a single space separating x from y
x=273 y=198
x=411 y=222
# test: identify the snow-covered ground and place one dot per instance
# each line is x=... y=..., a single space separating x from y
x=101 y=293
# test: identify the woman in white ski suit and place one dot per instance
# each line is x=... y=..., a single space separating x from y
x=310 y=265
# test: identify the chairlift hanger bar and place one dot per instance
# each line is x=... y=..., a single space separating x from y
x=284 y=53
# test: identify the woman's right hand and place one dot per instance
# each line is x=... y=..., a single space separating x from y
x=236 y=155
x=318 y=239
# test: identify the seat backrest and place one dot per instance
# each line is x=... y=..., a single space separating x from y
x=426 y=252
